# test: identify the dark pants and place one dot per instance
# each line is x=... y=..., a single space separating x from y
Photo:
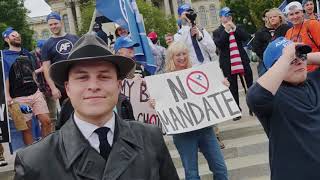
x=233 y=79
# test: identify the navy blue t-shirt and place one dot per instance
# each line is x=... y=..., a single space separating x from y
x=58 y=48
x=291 y=120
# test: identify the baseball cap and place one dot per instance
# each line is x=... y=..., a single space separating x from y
x=153 y=35
x=295 y=5
x=54 y=15
x=7 y=32
x=225 y=12
x=274 y=50
x=183 y=8
x=124 y=42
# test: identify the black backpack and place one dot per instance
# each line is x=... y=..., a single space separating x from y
x=21 y=77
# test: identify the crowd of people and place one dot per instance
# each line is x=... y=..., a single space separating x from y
x=95 y=135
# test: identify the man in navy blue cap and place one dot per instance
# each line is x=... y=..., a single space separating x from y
x=286 y=102
x=55 y=49
x=124 y=46
x=233 y=59
x=21 y=84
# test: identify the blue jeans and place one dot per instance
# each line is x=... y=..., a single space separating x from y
x=205 y=139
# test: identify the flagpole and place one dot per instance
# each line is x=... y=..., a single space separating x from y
x=93 y=20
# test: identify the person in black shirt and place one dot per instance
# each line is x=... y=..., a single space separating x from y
x=286 y=101
x=21 y=86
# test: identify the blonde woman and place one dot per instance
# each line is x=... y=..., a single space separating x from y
x=187 y=144
x=275 y=26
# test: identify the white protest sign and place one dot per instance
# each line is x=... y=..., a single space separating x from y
x=137 y=92
x=192 y=99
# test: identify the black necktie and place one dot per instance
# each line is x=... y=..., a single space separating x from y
x=104 y=146
x=197 y=48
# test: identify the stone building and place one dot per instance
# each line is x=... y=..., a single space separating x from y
x=70 y=14
x=207 y=10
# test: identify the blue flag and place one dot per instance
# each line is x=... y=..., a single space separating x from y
x=283 y=5
x=126 y=14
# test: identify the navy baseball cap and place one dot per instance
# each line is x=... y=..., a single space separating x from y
x=54 y=15
x=124 y=42
x=7 y=32
x=225 y=12
x=183 y=8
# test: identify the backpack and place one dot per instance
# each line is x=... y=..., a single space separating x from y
x=21 y=78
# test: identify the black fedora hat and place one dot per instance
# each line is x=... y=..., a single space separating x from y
x=89 y=48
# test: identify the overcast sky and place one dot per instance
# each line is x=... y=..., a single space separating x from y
x=37 y=7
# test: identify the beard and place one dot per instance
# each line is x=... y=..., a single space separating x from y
x=15 y=42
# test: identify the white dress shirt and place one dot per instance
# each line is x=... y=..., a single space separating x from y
x=87 y=129
x=207 y=46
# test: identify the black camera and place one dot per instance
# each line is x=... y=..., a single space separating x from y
x=302 y=50
x=191 y=15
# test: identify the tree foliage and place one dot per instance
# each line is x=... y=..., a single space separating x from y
x=14 y=14
x=156 y=20
x=87 y=9
x=249 y=13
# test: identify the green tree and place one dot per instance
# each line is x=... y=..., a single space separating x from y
x=87 y=9
x=14 y=14
x=156 y=20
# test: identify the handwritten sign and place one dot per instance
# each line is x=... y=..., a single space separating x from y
x=138 y=94
x=192 y=99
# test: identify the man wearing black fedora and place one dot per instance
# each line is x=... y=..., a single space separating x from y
x=95 y=143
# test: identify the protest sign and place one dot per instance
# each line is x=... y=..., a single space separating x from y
x=192 y=99
x=137 y=92
x=4 y=125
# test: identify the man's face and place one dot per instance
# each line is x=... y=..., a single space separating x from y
x=126 y=52
x=225 y=19
x=55 y=26
x=309 y=7
x=122 y=32
x=297 y=72
x=295 y=16
x=169 y=40
x=93 y=88
x=14 y=39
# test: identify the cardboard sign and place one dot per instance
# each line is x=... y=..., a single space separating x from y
x=137 y=92
x=4 y=120
x=192 y=99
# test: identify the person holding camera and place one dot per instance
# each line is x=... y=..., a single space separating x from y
x=233 y=59
x=286 y=101
x=198 y=40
